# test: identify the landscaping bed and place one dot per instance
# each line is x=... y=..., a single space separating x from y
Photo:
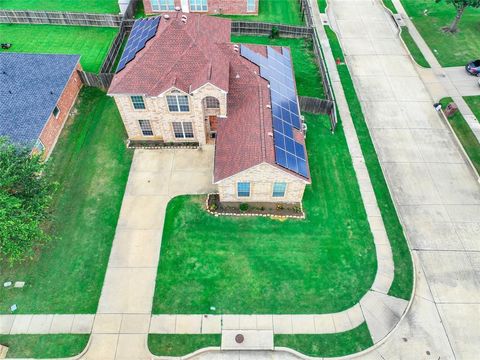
x=91 y=165
x=91 y=43
x=160 y=144
x=280 y=210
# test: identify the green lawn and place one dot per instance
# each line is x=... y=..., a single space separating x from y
x=413 y=48
x=323 y=264
x=389 y=5
x=92 y=43
x=322 y=5
x=308 y=83
x=180 y=345
x=84 y=6
x=462 y=129
x=328 y=345
x=403 y=280
x=450 y=49
x=44 y=346
x=91 y=165
x=275 y=11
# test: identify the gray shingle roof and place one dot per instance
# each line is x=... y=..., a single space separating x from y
x=30 y=86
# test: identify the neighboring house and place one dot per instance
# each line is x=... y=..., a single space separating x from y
x=36 y=94
x=181 y=80
x=235 y=7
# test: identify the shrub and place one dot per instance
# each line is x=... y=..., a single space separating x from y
x=243 y=207
x=275 y=33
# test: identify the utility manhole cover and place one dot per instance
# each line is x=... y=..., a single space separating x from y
x=239 y=339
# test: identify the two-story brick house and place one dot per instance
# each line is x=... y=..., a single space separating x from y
x=181 y=80
x=233 y=7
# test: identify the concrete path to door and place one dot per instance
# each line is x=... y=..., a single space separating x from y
x=121 y=325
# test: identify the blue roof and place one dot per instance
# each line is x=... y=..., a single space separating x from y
x=30 y=87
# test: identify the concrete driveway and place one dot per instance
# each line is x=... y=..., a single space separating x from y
x=466 y=85
x=121 y=325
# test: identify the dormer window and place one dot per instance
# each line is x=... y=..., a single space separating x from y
x=177 y=102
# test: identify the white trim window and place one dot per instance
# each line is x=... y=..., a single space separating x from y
x=137 y=102
x=251 y=6
x=243 y=189
x=279 y=189
x=198 y=5
x=183 y=130
x=178 y=103
x=145 y=127
x=163 y=5
x=212 y=102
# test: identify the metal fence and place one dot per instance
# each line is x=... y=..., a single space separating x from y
x=315 y=105
x=260 y=28
x=59 y=18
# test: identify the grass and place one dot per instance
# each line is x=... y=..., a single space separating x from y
x=83 y=6
x=328 y=345
x=44 y=346
x=450 y=49
x=323 y=264
x=180 y=344
x=308 y=84
x=92 y=43
x=413 y=48
x=389 y=5
x=275 y=11
x=403 y=280
x=462 y=129
x=322 y=5
x=91 y=165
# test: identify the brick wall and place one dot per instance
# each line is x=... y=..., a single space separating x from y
x=261 y=178
x=54 y=125
x=214 y=6
x=161 y=119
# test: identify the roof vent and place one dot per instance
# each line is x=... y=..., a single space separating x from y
x=236 y=48
x=184 y=19
x=166 y=16
x=237 y=76
x=269 y=106
x=178 y=8
x=270 y=134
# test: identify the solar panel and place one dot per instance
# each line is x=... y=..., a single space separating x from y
x=277 y=69
x=142 y=31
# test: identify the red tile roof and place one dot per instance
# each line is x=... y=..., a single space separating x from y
x=189 y=55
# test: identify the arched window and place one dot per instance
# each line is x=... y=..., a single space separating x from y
x=211 y=102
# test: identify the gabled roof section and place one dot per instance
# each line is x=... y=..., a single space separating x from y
x=183 y=53
x=31 y=85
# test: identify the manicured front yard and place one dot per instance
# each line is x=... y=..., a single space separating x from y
x=180 y=345
x=44 y=346
x=328 y=345
x=450 y=49
x=413 y=48
x=403 y=281
x=92 y=43
x=323 y=264
x=275 y=11
x=84 y=6
x=91 y=165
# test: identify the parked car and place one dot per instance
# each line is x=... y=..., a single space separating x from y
x=473 y=68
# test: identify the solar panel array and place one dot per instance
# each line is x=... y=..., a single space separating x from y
x=277 y=69
x=142 y=31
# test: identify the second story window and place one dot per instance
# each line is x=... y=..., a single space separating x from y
x=137 y=102
x=198 y=5
x=178 y=103
x=163 y=5
x=250 y=5
x=212 y=103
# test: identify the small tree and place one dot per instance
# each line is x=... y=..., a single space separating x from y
x=460 y=6
x=25 y=193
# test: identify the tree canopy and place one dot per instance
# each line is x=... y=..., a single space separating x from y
x=25 y=194
x=460 y=6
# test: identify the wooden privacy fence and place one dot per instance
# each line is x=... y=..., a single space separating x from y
x=112 y=54
x=59 y=18
x=260 y=28
x=316 y=105
x=101 y=81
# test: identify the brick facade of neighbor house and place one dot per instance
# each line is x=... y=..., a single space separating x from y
x=232 y=7
x=54 y=125
x=261 y=179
